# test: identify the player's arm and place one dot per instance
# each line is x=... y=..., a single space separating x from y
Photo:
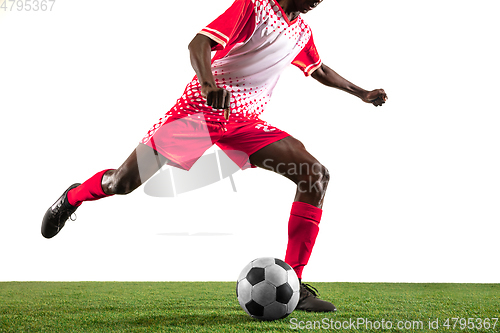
x=330 y=78
x=200 y=50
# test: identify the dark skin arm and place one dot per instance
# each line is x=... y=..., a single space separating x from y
x=200 y=52
x=330 y=78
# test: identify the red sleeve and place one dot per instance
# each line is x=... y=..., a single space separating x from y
x=308 y=59
x=231 y=24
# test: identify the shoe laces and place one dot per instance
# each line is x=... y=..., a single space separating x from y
x=68 y=206
x=310 y=289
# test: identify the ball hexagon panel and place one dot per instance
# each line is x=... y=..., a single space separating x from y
x=244 y=291
x=263 y=262
x=293 y=280
x=292 y=304
x=275 y=310
x=256 y=275
x=254 y=309
x=284 y=293
x=276 y=275
x=263 y=293
x=283 y=264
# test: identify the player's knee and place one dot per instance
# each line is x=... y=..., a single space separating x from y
x=322 y=178
x=326 y=176
x=315 y=180
x=118 y=183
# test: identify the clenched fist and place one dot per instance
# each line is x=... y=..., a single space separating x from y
x=217 y=98
x=376 y=97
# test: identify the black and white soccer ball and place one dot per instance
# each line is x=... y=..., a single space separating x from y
x=268 y=289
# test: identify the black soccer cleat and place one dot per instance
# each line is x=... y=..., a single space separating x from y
x=57 y=215
x=310 y=302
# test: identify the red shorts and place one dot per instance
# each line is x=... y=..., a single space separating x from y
x=183 y=139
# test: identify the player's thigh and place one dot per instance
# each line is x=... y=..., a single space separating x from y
x=288 y=157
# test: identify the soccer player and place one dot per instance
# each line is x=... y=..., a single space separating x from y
x=255 y=41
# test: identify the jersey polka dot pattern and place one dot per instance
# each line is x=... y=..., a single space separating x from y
x=247 y=65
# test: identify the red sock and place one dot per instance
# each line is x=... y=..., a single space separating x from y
x=302 y=231
x=90 y=190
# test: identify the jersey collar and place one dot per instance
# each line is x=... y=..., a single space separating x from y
x=283 y=13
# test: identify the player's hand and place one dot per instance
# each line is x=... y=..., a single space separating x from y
x=217 y=98
x=376 y=97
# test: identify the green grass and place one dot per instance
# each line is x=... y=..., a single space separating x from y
x=212 y=307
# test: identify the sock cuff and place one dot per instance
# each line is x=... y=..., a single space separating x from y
x=90 y=190
x=307 y=211
x=98 y=183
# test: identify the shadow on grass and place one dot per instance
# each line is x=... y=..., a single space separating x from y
x=192 y=320
x=195 y=319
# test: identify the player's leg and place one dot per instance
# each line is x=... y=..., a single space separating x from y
x=290 y=158
x=137 y=169
x=143 y=163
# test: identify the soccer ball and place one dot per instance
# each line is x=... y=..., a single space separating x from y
x=268 y=289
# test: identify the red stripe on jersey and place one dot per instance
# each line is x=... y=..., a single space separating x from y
x=311 y=68
x=228 y=27
x=215 y=35
x=308 y=59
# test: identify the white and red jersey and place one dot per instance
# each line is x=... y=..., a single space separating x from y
x=256 y=42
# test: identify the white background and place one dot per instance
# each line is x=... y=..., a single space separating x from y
x=415 y=188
